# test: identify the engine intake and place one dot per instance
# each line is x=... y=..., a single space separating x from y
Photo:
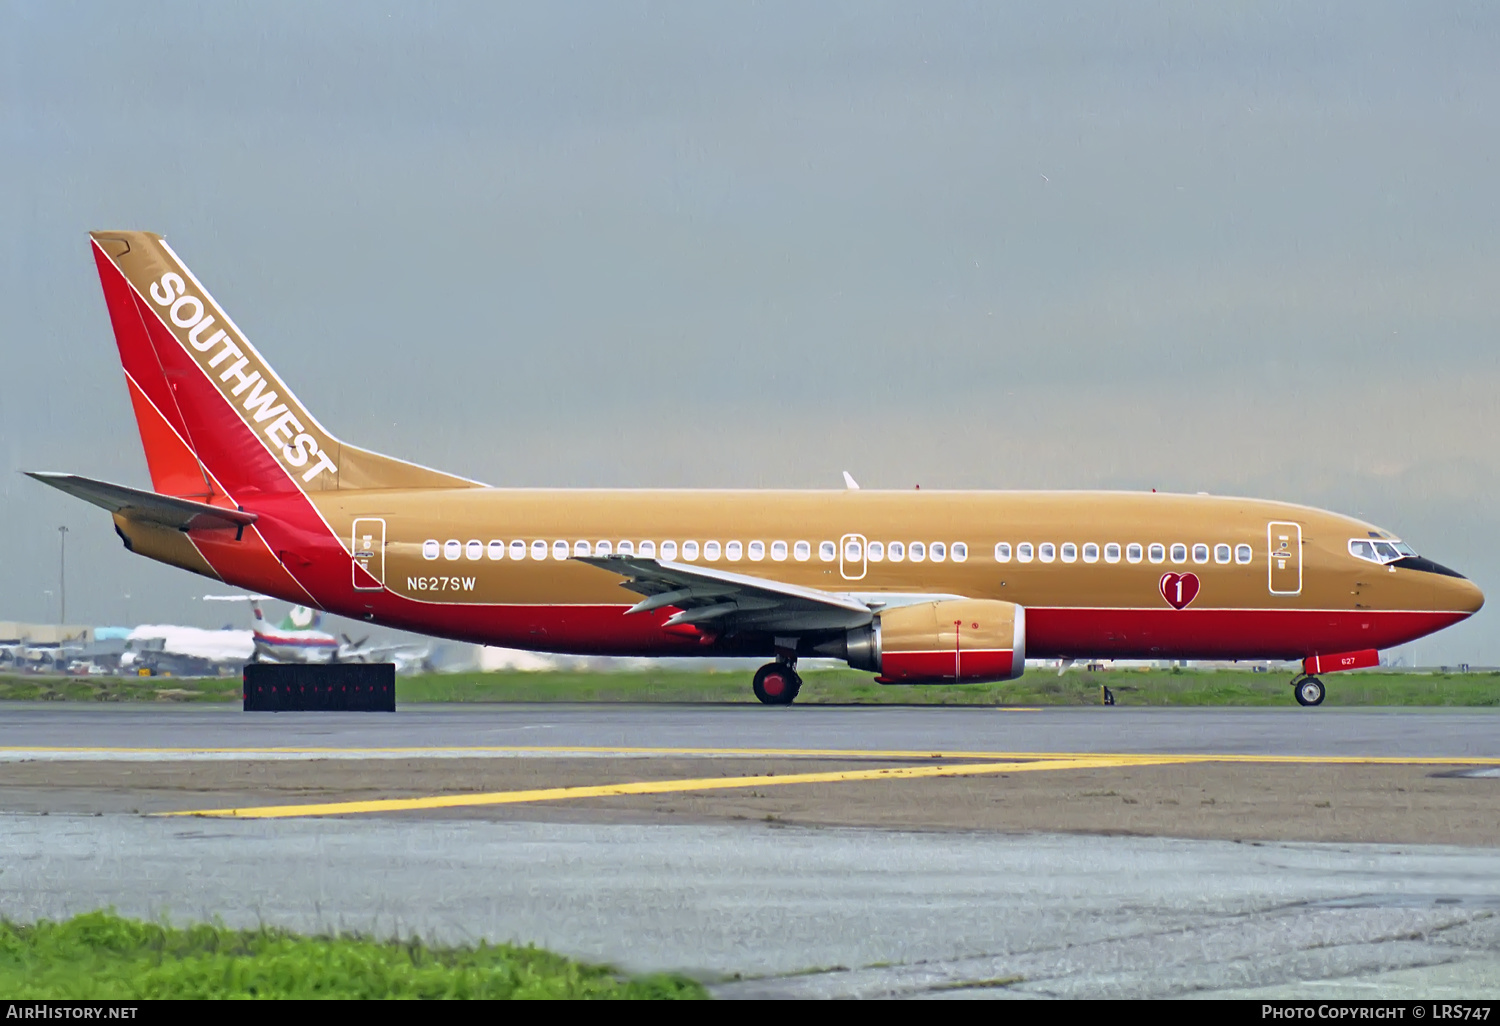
x=954 y=641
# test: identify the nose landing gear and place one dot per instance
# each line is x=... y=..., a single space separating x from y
x=1309 y=690
x=777 y=683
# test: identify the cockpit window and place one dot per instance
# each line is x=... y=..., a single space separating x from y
x=1382 y=552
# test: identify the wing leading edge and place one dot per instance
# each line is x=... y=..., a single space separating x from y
x=703 y=595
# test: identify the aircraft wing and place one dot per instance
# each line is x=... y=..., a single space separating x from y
x=149 y=507
x=708 y=596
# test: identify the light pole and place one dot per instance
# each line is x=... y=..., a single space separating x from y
x=62 y=576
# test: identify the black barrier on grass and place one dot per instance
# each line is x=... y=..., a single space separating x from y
x=330 y=687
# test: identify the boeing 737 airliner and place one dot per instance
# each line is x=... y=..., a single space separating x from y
x=920 y=587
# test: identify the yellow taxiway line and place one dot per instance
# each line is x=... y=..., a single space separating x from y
x=552 y=794
x=1029 y=762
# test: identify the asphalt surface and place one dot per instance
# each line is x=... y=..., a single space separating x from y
x=1215 y=800
x=1289 y=731
x=944 y=886
x=880 y=913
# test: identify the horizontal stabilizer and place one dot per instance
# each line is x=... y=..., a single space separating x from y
x=146 y=507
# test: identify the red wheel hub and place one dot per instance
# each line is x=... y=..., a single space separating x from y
x=774 y=684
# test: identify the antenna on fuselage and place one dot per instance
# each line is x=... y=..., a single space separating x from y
x=850 y=483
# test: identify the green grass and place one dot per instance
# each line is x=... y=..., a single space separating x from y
x=1155 y=687
x=101 y=956
x=27 y=688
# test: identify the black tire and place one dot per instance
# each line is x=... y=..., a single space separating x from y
x=1309 y=691
x=776 y=684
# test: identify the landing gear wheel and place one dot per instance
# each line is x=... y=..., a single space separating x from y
x=777 y=684
x=1309 y=691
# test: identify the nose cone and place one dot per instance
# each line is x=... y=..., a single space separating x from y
x=1463 y=593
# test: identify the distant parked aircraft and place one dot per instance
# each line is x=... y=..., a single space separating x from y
x=299 y=639
x=185 y=651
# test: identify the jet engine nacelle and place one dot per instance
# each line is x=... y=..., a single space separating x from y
x=954 y=641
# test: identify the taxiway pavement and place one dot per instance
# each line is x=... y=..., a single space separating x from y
x=872 y=913
x=895 y=851
x=1289 y=731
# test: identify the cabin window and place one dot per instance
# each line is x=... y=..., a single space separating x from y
x=778 y=550
x=852 y=552
x=538 y=549
x=960 y=552
x=647 y=549
x=559 y=550
x=497 y=550
x=1179 y=553
x=689 y=550
x=916 y=552
x=1002 y=552
x=1133 y=552
x=1047 y=552
x=803 y=551
x=710 y=550
x=828 y=551
x=937 y=552
x=668 y=550
x=1221 y=553
x=895 y=552
x=626 y=549
x=431 y=549
x=1242 y=554
x=1112 y=553
x=1069 y=552
x=1024 y=552
x=452 y=549
x=733 y=551
x=875 y=552
x=1091 y=552
x=518 y=550
x=757 y=551
x=603 y=548
x=1157 y=553
x=1200 y=553
x=582 y=548
x=474 y=549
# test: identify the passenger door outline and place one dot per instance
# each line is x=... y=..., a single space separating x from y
x=367 y=547
x=1284 y=558
x=849 y=570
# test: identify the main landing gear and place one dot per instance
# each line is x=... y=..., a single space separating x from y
x=1309 y=690
x=777 y=683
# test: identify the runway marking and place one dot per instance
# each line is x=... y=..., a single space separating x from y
x=552 y=794
x=1033 y=764
x=15 y=753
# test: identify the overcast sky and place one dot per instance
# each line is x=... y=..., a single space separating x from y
x=1242 y=248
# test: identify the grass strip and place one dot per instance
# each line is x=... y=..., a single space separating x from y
x=102 y=956
x=1178 y=687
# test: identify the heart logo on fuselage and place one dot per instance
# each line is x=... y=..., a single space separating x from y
x=1179 y=589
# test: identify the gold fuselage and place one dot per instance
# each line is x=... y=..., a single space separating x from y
x=1330 y=579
